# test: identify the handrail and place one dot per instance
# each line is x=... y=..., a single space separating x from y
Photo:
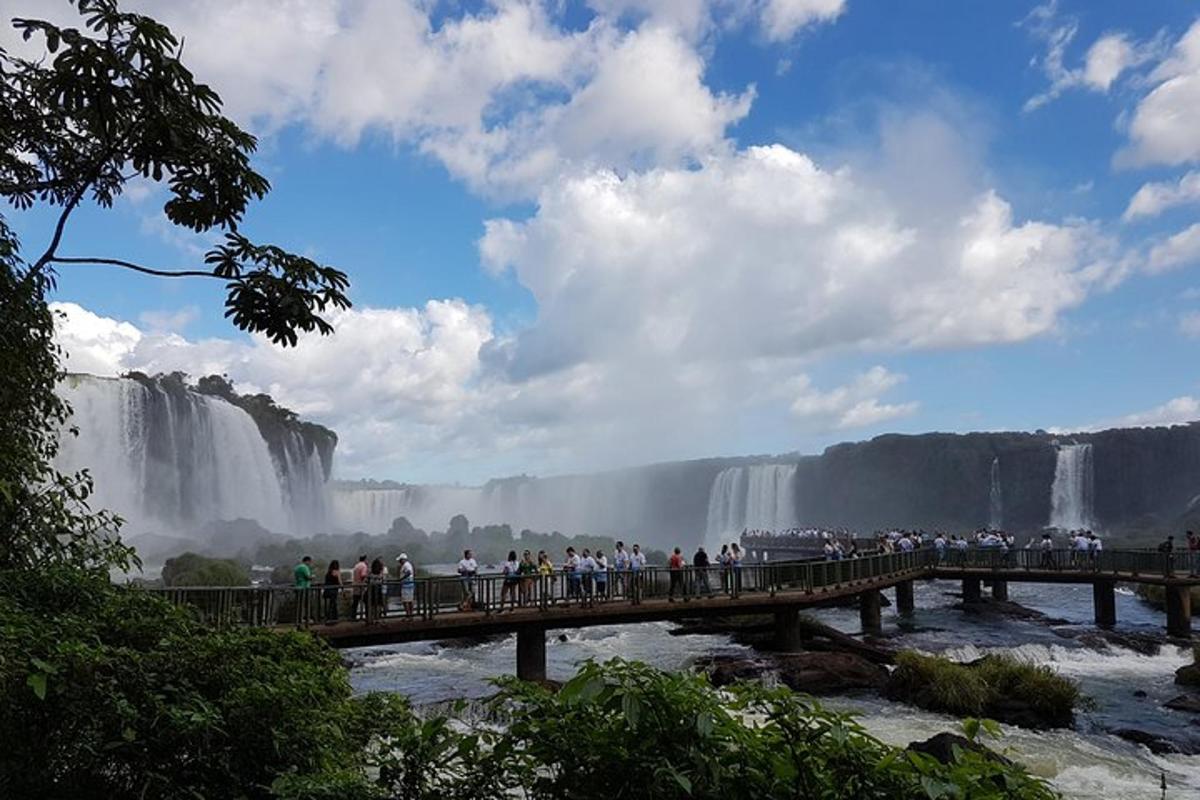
x=495 y=594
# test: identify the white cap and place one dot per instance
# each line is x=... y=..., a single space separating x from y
x=402 y=557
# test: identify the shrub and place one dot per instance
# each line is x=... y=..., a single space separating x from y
x=192 y=569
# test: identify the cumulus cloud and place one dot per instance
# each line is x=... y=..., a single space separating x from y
x=1154 y=198
x=854 y=405
x=1163 y=126
x=782 y=19
x=1179 y=250
x=95 y=344
x=1176 y=411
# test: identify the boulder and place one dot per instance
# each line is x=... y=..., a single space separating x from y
x=726 y=669
x=942 y=747
x=1188 y=675
x=1185 y=702
x=829 y=673
x=1158 y=743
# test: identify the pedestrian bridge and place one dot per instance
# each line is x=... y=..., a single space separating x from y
x=448 y=607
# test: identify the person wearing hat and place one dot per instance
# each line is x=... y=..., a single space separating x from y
x=408 y=582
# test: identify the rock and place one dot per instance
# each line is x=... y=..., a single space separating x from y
x=1143 y=643
x=1157 y=743
x=1140 y=693
x=942 y=747
x=726 y=669
x=829 y=673
x=1188 y=675
x=1185 y=702
x=1021 y=712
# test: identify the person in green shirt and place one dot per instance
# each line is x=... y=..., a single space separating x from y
x=303 y=573
x=304 y=600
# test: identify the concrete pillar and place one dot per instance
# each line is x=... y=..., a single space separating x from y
x=1104 y=603
x=999 y=590
x=904 y=598
x=531 y=654
x=787 y=630
x=1179 y=611
x=869 y=611
x=971 y=591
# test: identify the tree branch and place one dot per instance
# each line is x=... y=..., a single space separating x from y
x=116 y=262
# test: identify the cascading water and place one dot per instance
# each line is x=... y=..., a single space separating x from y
x=1072 y=493
x=169 y=461
x=995 y=499
x=760 y=496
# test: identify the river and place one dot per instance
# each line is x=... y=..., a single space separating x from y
x=1086 y=762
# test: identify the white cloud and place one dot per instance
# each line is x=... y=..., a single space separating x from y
x=1189 y=324
x=1164 y=125
x=854 y=405
x=1177 y=411
x=1179 y=250
x=782 y=19
x=170 y=321
x=1154 y=198
x=98 y=344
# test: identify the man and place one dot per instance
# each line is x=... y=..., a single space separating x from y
x=620 y=565
x=1193 y=542
x=468 y=568
x=407 y=575
x=574 y=581
x=587 y=568
x=1047 y=546
x=700 y=562
x=359 y=578
x=637 y=562
x=302 y=577
x=675 y=563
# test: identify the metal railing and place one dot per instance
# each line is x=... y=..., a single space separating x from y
x=1125 y=563
x=426 y=598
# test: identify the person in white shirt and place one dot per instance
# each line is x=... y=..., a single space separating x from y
x=620 y=565
x=571 y=568
x=512 y=580
x=587 y=568
x=600 y=574
x=1047 y=546
x=1095 y=546
x=637 y=559
x=406 y=574
x=637 y=562
x=468 y=568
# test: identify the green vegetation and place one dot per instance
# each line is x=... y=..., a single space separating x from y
x=1156 y=596
x=191 y=569
x=1000 y=687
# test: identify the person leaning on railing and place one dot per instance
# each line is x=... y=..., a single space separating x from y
x=468 y=568
x=302 y=579
x=407 y=575
x=332 y=588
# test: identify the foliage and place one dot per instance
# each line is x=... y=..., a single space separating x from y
x=995 y=686
x=192 y=569
x=1156 y=596
x=44 y=514
x=111 y=103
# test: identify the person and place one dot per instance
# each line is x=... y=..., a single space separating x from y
x=587 y=570
x=1193 y=545
x=333 y=585
x=527 y=570
x=637 y=562
x=675 y=564
x=700 y=562
x=545 y=573
x=512 y=581
x=574 y=580
x=1168 y=546
x=375 y=581
x=600 y=573
x=735 y=561
x=723 y=562
x=468 y=568
x=827 y=550
x=359 y=577
x=1047 y=545
x=407 y=575
x=302 y=578
x=620 y=567
x=1081 y=549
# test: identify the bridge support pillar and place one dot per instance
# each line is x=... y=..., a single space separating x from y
x=999 y=590
x=531 y=654
x=971 y=590
x=1179 y=611
x=869 y=606
x=787 y=631
x=904 y=598
x=1104 y=603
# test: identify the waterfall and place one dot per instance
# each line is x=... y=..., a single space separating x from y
x=1071 y=494
x=169 y=460
x=995 y=499
x=761 y=496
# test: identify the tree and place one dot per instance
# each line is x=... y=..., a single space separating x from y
x=110 y=103
x=193 y=569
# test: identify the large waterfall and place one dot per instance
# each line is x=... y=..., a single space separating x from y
x=760 y=496
x=169 y=460
x=995 y=499
x=1071 y=494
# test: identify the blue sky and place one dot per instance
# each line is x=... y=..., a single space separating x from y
x=587 y=235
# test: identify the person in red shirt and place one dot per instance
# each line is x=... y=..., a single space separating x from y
x=676 y=564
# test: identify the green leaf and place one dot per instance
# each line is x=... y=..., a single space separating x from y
x=37 y=682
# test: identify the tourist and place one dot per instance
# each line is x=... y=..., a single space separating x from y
x=302 y=578
x=1047 y=561
x=511 y=571
x=406 y=573
x=724 y=561
x=1082 y=549
x=1168 y=546
x=735 y=561
x=1095 y=547
x=528 y=572
x=1193 y=546
x=637 y=562
x=675 y=564
x=700 y=562
x=939 y=546
x=359 y=577
x=587 y=569
x=468 y=568
x=545 y=571
x=827 y=550
x=600 y=574
x=375 y=598
x=621 y=566
x=574 y=580
x=333 y=585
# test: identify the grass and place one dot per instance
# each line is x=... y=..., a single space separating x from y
x=996 y=686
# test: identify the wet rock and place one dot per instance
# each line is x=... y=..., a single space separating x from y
x=942 y=747
x=1185 y=702
x=1188 y=675
x=1025 y=714
x=1158 y=743
x=1140 y=693
x=829 y=673
x=467 y=642
x=1007 y=609
x=1142 y=643
x=726 y=669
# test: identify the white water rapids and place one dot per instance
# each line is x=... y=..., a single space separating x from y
x=1073 y=491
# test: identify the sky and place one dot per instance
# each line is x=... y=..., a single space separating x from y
x=586 y=235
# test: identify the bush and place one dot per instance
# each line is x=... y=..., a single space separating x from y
x=192 y=569
x=1000 y=687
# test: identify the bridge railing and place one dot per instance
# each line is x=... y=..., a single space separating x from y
x=1116 y=562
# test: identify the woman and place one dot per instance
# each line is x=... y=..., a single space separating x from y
x=528 y=570
x=724 y=560
x=512 y=579
x=333 y=585
x=375 y=607
x=545 y=571
x=735 y=561
x=601 y=575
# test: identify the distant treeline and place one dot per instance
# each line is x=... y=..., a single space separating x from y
x=491 y=544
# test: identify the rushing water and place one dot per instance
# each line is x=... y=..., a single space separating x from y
x=1082 y=763
x=995 y=498
x=1072 y=493
x=758 y=496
